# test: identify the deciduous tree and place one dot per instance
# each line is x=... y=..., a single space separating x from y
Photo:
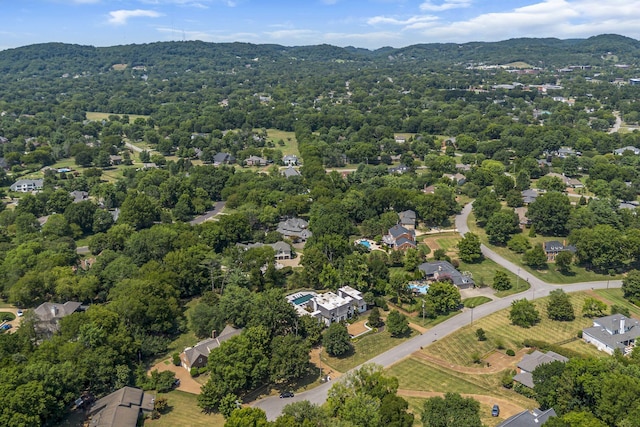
x=523 y=313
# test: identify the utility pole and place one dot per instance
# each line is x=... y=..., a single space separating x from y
x=472 y=314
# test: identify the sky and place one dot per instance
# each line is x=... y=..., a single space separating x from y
x=362 y=23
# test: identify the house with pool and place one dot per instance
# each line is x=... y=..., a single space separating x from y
x=329 y=307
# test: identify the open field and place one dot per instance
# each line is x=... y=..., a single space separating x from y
x=290 y=142
x=184 y=412
x=96 y=115
x=364 y=348
x=459 y=347
x=551 y=275
x=475 y=301
x=416 y=405
x=615 y=296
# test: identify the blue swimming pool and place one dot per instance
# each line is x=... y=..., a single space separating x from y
x=421 y=288
x=303 y=299
x=365 y=243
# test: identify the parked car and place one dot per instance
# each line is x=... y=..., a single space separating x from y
x=20 y=313
x=495 y=411
x=5 y=327
x=285 y=394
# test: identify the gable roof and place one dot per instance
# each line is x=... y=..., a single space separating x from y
x=535 y=418
x=120 y=408
x=50 y=310
x=203 y=348
x=555 y=246
x=398 y=230
x=608 y=331
x=407 y=217
x=445 y=269
x=531 y=361
x=290 y=171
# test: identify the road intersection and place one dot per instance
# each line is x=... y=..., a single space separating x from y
x=538 y=289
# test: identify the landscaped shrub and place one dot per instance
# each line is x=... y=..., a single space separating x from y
x=507 y=379
x=580 y=334
x=176 y=359
x=194 y=372
x=482 y=336
x=382 y=303
x=510 y=352
x=524 y=390
x=475 y=357
x=5 y=315
x=499 y=343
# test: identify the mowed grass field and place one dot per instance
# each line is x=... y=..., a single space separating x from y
x=459 y=347
x=416 y=404
x=290 y=142
x=615 y=296
x=550 y=275
x=184 y=412
x=96 y=115
x=364 y=348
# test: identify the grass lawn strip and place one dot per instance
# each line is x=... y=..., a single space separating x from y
x=184 y=412
x=475 y=301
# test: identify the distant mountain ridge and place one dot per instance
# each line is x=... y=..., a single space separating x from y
x=552 y=52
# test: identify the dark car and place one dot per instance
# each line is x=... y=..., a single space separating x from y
x=285 y=394
x=495 y=411
x=5 y=327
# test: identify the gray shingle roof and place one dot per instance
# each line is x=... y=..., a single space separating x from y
x=535 y=418
x=445 y=269
x=120 y=408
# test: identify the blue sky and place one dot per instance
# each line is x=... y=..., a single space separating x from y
x=362 y=23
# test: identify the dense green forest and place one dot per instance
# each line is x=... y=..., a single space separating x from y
x=372 y=130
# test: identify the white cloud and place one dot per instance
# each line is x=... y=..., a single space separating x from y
x=120 y=17
x=404 y=22
x=445 y=5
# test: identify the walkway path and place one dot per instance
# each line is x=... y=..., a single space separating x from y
x=539 y=289
x=217 y=208
x=187 y=383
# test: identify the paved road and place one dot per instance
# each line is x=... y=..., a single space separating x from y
x=539 y=289
x=618 y=123
x=217 y=208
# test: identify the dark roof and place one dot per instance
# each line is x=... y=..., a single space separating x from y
x=403 y=241
x=531 y=361
x=555 y=246
x=407 y=217
x=535 y=418
x=120 y=408
x=445 y=269
x=398 y=230
x=223 y=157
x=203 y=348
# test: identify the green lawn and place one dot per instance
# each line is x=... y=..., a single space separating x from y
x=95 y=115
x=459 y=347
x=364 y=348
x=475 y=301
x=551 y=275
x=416 y=405
x=483 y=272
x=290 y=142
x=185 y=412
x=615 y=296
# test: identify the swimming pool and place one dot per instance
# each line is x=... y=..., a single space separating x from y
x=303 y=299
x=421 y=288
x=365 y=243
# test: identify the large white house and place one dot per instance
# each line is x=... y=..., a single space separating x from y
x=329 y=307
x=611 y=332
x=27 y=185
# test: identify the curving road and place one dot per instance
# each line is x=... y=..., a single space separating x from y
x=539 y=289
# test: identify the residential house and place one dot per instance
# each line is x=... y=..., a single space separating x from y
x=400 y=238
x=529 y=196
x=282 y=249
x=613 y=332
x=620 y=151
x=399 y=170
x=27 y=185
x=631 y=205
x=534 y=418
x=48 y=315
x=198 y=355
x=329 y=307
x=223 y=159
x=4 y=164
x=255 y=161
x=149 y=165
x=407 y=219
x=290 y=160
x=457 y=178
x=553 y=248
x=443 y=270
x=79 y=196
x=531 y=361
x=289 y=172
x=122 y=408
x=463 y=167
x=400 y=139
x=115 y=160
x=574 y=183
x=429 y=189
x=294 y=229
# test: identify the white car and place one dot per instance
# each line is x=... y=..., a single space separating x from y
x=20 y=313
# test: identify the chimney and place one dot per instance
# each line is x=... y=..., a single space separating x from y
x=564 y=243
x=214 y=333
x=54 y=310
x=621 y=326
